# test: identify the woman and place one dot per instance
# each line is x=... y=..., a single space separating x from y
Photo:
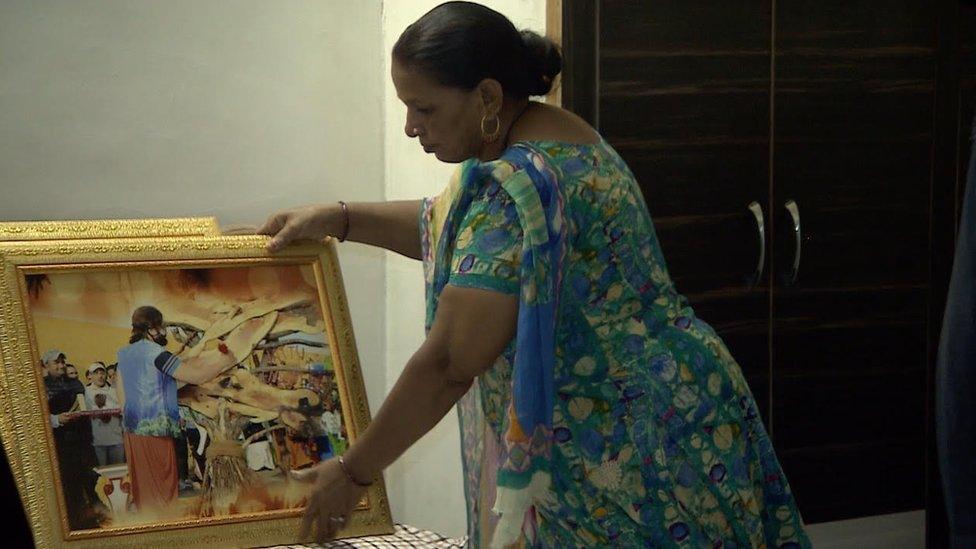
x=596 y=409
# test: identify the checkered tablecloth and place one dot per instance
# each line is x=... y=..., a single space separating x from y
x=403 y=536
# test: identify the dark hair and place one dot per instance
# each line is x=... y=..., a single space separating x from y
x=459 y=44
x=145 y=318
x=112 y=366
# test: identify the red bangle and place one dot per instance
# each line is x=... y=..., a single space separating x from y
x=345 y=222
x=352 y=479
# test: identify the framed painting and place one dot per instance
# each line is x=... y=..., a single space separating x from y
x=160 y=391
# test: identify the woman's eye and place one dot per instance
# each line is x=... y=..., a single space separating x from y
x=425 y=110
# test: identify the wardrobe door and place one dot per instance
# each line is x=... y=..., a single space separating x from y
x=853 y=117
x=681 y=89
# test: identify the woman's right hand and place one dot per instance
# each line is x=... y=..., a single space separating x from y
x=313 y=222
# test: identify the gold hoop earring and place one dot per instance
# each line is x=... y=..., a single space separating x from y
x=492 y=136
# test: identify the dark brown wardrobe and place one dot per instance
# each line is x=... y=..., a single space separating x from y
x=802 y=161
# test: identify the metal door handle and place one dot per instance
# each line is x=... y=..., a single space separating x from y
x=794 y=210
x=757 y=212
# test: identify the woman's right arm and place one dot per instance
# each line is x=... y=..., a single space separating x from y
x=390 y=225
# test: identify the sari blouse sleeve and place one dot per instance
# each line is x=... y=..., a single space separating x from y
x=487 y=252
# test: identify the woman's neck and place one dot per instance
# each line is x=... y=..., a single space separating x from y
x=508 y=117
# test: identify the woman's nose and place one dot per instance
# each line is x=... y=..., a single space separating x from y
x=411 y=128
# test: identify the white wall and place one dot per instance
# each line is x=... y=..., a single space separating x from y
x=425 y=485
x=138 y=108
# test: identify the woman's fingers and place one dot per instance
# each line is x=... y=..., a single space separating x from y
x=284 y=236
x=289 y=225
x=239 y=229
x=332 y=500
x=273 y=224
x=308 y=518
x=325 y=527
x=282 y=227
x=305 y=475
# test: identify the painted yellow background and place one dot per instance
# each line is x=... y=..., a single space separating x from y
x=81 y=342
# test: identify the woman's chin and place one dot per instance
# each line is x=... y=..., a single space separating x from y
x=445 y=157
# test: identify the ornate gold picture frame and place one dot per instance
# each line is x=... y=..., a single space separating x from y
x=291 y=395
x=107 y=228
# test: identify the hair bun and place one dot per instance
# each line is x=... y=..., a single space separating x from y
x=543 y=62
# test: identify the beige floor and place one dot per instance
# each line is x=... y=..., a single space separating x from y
x=897 y=531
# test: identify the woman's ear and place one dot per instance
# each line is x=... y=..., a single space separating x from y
x=491 y=95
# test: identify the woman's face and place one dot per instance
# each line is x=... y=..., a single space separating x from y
x=446 y=120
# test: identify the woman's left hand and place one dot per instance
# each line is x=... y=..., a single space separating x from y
x=331 y=502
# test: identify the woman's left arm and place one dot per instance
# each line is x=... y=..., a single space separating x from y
x=471 y=329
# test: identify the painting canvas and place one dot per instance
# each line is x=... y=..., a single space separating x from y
x=179 y=387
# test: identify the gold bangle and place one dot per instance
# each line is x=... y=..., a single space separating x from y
x=345 y=222
x=352 y=479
